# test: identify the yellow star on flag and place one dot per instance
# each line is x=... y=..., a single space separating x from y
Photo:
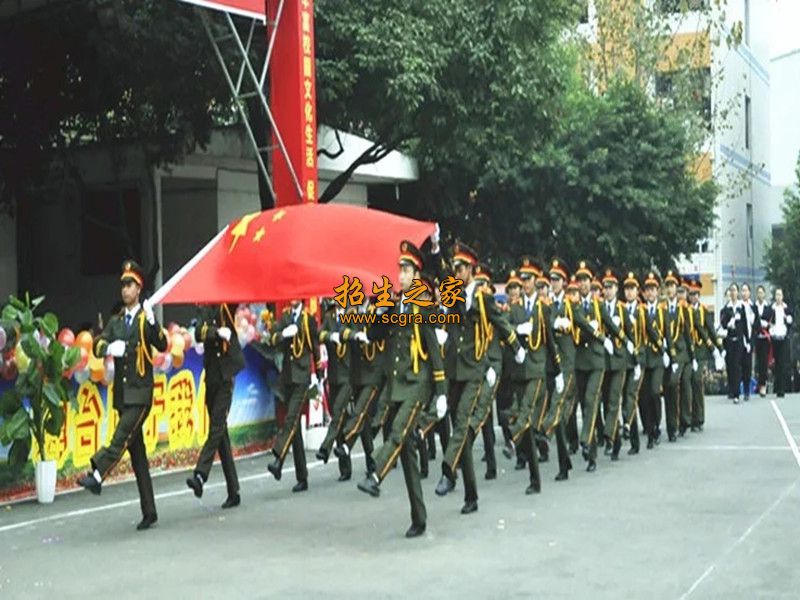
x=259 y=235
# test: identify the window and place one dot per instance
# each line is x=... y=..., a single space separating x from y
x=747 y=22
x=749 y=233
x=584 y=18
x=676 y=6
x=111 y=230
x=747 y=122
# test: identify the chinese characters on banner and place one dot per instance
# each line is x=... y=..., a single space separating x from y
x=309 y=98
x=176 y=404
x=351 y=293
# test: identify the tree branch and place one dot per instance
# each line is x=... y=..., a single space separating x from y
x=370 y=156
x=333 y=155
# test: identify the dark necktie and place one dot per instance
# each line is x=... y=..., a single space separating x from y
x=652 y=311
x=586 y=306
x=128 y=320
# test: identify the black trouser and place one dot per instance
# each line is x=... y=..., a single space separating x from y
x=650 y=400
x=218 y=403
x=505 y=401
x=780 y=349
x=762 y=361
x=733 y=363
x=564 y=462
x=487 y=431
x=128 y=436
x=747 y=370
x=289 y=435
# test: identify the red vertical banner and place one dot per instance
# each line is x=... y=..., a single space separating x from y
x=293 y=100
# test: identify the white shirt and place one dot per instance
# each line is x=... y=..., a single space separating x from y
x=779 y=329
x=296 y=313
x=131 y=312
x=530 y=302
x=469 y=293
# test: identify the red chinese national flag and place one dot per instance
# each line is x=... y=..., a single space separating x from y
x=255 y=9
x=300 y=251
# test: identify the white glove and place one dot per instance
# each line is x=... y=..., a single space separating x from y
x=360 y=336
x=441 y=336
x=722 y=332
x=665 y=360
x=595 y=325
x=435 y=236
x=674 y=367
x=732 y=323
x=695 y=366
x=630 y=347
x=224 y=333
x=608 y=345
x=764 y=324
x=788 y=319
x=289 y=331
x=561 y=323
x=637 y=373
x=616 y=320
x=441 y=406
x=116 y=349
x=737 y=316
x=525 y=328
x=335 y=339
x=519 y=358
x=147 y=307
x=719 y=362
x=560 y=383
x=491 y=376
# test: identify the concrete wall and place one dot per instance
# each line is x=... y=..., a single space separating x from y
x=785 y=100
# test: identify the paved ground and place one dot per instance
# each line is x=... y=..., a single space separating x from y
x=713 y=516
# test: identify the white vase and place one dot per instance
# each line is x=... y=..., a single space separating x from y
x=46 y=481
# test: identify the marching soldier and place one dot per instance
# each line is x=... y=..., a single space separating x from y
x=296 y=334
x=680 y=324
x=467 y=363
x=505 y=392
x=222 y=360
x=566 y=323
x=636 y=326
x=590 y=362
x=704 y=339
x=336 y=338
x=368 y=375
x=656 y=359
x=130 y=338
x=542 y=293
x=488 y=392
x=417 y=373
x=533 y=325
x=616 y=365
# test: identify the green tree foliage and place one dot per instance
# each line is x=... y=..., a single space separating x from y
x=782 y=258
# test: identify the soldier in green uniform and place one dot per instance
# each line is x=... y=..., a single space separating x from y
x=542 y=283
x=505 y=392
x=467 y=363
x=533 y=326
x=590 y=361
x=656 y=359
x=567 y=323
x=680 y=324
x=337 y=340
x=296 y=334
x=222 y=360
x=706 y=346
x=484 y=412
x=616 y=365
x=130 y=337
x=367 y=375
x=635 y=325
x=417 y=373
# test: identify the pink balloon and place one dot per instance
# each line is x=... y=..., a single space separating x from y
x=66 y=337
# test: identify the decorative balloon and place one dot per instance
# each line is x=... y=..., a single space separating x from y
x=8 y=370
x=81 y=375
x=84 y=360
x=178 y=344
x=177 y=361
x=108 y=378
x=97 y=369
x=84 y=340
x=158 y=360
x=66 y=337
